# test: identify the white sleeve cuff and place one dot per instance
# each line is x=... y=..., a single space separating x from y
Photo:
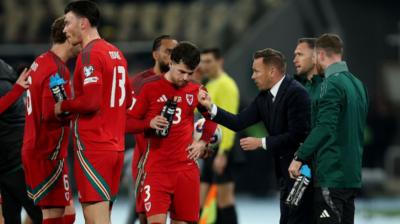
x=264 y=143
x=214 y=110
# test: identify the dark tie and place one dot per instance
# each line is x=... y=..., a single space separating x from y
x=270 y=97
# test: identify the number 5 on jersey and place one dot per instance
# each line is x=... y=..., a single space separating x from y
x=118 y=73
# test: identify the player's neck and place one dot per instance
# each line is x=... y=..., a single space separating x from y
x=217 y=74
x=156 y=69
x=167 y=76
x=311 y=73
x=60 y=51
x=91 y=35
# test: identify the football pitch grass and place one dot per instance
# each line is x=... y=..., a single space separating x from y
x=253 y=210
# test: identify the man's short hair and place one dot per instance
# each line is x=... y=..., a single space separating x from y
x=272 y=57
x=330 y=43
x=57 y=35
x=187 y=53
x=158 y=40
x=216 y=52
x=309 y=41
x=87 y=9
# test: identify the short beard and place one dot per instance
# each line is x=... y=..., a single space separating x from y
x=163 y=67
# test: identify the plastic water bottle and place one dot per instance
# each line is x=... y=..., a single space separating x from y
x=57 y=89
x=299 y=187
x=168 y=112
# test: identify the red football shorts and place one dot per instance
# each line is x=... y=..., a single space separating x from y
x=98 y=174
x=47 y=182
x=177 y=192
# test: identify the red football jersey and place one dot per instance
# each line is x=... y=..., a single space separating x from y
x=45 y=136
x=137 y=83
x=101 y=95
x=169 y=154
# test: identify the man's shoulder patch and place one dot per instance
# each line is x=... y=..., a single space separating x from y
x=88 y=70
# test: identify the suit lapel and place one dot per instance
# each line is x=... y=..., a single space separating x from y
x=281 y=92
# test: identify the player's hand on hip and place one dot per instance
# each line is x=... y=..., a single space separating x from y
x=158 y=123
x=250 y=143
x=220 y=162
x=197 y=149
x=204 y=99
x=23 y=79
x=294 y=169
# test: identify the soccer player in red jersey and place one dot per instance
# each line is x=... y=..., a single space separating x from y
x=46 y=137
x=17 y=90
x=171 y=179
x=162 y=48
x=102 y=94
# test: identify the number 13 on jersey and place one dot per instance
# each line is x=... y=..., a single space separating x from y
x=119 y=78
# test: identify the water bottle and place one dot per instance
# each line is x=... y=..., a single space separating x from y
x=168 y=112
x=299 y=187
x=57 y=89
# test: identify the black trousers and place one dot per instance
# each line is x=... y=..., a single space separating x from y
x=334 y=205
x=13 y=192
x=303 y=214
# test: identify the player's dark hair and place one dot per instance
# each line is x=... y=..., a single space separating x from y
x=330 y=43
x=57 y=35
x=87 y=9
x=216 y=52
x=272 y=57
x=187 y=53
x=309 y=41
x=158 y=40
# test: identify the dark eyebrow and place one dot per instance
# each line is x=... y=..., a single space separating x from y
x=184 y=71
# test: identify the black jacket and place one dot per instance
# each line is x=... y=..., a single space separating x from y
x=11 y=123
x=287 y=121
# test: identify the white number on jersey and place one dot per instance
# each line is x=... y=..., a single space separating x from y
x=118 y=70
x=29 y=98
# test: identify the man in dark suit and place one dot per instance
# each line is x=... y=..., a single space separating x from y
x=283 y=105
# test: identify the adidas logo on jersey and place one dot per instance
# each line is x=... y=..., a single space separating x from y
x=162 y=99
x=324 y=214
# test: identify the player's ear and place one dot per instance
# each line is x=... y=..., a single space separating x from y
x=82 y=23
x=155 y=55
x=221 y=62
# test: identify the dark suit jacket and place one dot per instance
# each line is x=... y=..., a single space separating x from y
x=287 y=121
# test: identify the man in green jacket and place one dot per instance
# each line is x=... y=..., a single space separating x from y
x=336 y=139
x=307 y=73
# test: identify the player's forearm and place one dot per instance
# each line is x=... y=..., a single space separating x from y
x=208 y=130
x=136 y=126
x=10 y=97
x=90 y=102
x=48 y=109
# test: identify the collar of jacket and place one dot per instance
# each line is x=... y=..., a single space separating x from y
x=317 y=78
x=335 y=68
